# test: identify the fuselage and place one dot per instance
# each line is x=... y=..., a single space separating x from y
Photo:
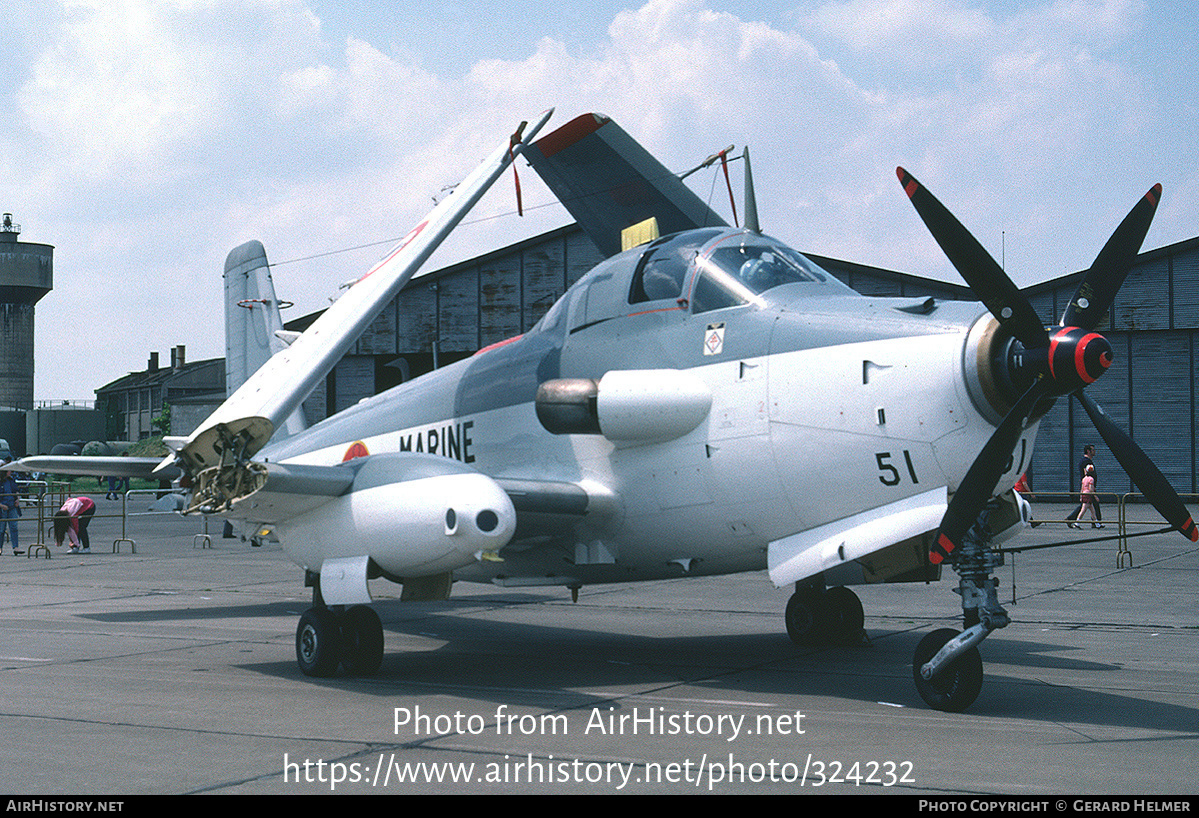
x=824 y=403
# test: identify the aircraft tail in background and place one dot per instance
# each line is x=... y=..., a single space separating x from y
x=253 y=321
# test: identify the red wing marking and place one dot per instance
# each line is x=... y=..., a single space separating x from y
x=356 y=450
x=412 y=234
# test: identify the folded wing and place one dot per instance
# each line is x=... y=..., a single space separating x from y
x=609 y=182
x=246 y=421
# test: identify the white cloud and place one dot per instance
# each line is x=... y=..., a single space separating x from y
x=913 y=32
x=152 y=136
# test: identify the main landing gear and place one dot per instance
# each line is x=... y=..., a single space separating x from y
x=329 y=637
x=816 y=616
x=946 y=667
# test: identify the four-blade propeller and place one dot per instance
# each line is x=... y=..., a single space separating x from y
x=1063 y=360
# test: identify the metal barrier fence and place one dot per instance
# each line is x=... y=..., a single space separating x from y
x=1125 y=516
x=1125 y=522
x=47 y=497
x=44 y=498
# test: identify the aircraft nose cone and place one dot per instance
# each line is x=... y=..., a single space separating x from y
x=1077 y=357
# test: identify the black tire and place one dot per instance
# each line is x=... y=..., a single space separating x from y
x=957 y=686
x=318 y=642
x=807 y=618
x=849 y=620
x=362 y=641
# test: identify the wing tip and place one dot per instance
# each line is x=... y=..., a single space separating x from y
x=573 y=131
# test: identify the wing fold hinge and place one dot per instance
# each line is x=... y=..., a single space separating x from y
x=233 y=477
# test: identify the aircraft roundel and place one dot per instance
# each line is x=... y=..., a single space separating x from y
x=357 y=449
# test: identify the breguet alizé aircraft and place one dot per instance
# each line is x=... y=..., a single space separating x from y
x=705 y=401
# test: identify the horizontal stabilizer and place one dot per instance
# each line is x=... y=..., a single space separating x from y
x=608 y=182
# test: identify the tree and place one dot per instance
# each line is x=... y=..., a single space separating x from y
x=162 y=422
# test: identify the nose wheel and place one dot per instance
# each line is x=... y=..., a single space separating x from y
x=957 y=684
x=947 y=667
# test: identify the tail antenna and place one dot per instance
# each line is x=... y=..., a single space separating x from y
x=751 y=203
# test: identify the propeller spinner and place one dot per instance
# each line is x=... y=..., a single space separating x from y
x=1060 y=361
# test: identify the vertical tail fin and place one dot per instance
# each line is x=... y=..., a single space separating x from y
x=253 y=322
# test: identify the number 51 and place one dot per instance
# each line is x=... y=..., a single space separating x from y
x=888 y=474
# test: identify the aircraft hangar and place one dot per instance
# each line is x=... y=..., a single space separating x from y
x=449 y=314
x=1149 y=391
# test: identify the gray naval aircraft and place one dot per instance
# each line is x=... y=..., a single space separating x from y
x=704 y=401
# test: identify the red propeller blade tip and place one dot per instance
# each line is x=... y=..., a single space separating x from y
x=940 y=550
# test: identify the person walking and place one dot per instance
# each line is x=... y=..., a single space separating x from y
x=1087 y=461
x=1088 y=495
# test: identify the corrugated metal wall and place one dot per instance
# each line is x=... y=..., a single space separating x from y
x=484 y=300
x=1149 y=389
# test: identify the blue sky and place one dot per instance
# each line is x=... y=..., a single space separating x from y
x=147 y=139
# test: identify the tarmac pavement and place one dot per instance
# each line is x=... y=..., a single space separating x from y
x=172 y=670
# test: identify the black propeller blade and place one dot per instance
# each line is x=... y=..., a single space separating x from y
x=1074 y=357
x=985 y=277
x=1101 y=283
x=978 y=485
x=1140 y=468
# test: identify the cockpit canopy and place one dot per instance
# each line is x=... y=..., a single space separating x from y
x=722 y=268
x=696 y=271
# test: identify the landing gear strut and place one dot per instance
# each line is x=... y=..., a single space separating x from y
x=816 y=616
x=329 y=637
x=947 y=667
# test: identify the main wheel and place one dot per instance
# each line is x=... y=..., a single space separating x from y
x=362 y=641
x=318 y=642
x=848 y=618
x=957 y=686
x=807 y=618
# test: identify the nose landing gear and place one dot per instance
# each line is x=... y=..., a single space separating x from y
x=947 y=667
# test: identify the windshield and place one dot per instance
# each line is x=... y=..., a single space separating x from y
x=740 y=267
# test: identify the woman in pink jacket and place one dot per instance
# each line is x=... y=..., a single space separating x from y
x=71 y=521
x=1087 y=497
